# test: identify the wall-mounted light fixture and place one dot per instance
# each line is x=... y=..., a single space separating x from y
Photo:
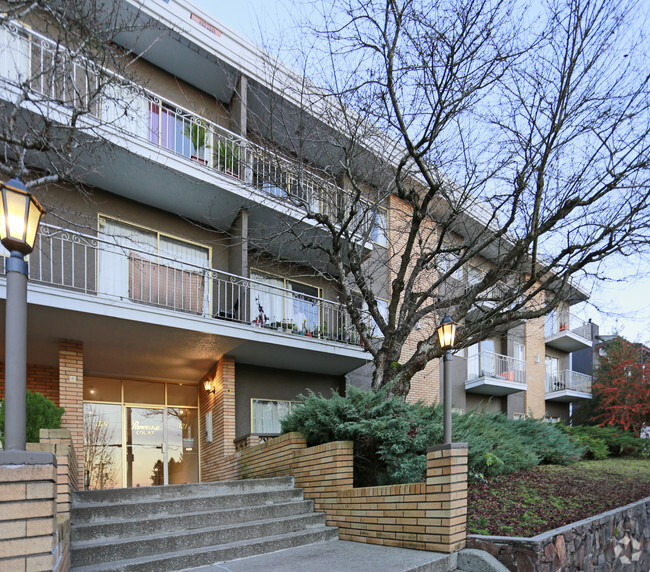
x=208 y=385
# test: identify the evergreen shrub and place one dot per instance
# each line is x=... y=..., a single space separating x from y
x=41 y=413
x=391 y=437
x=608 y=441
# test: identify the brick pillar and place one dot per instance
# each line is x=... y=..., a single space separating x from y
x=535 y=395
x=446 y=488
x=71 y=383
x=28 y=521
x=222 y=405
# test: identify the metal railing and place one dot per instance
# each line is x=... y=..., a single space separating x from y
x=66 y=81
x=557 y=322
x=490 y=364
x=111 y=269
x=568 y=379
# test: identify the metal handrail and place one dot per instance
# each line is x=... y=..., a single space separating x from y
x=568 y=380
x=491 y=364
x=111 y=268
x=146 y=115
x=565 y=321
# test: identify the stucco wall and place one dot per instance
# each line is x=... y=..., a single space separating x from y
x=255 y=382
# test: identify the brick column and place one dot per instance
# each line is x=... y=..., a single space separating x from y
x=222 y=405
x=446 y=489
x=28 y=521
x=71 y=382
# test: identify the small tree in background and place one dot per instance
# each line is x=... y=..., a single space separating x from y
x=622 y=387
x=41 y=412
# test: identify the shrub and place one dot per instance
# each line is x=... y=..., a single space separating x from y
x=41 y=413
x=612 y=440
x=391 y=437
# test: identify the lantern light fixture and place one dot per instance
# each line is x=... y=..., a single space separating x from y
x=208 y=386
x=447 y=333
x=20 y=217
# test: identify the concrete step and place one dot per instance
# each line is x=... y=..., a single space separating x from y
x=150 y=506
x=98 y=551
x=82 y=498
x=161 y=523
x=184 y=559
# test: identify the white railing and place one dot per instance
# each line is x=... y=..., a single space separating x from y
x=63 y=80
x=557 y=322
x=490 y=364
x=102 y=267
x=568 y=379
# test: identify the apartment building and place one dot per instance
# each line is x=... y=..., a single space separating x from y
x=157 y=319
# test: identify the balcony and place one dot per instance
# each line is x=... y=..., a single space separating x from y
x=166 y=147
x=566 y=333
x=489 y=373
x=103 y=269
x=568 y=386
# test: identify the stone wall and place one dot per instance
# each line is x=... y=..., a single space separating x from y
x=425 y=516
x=614 y=540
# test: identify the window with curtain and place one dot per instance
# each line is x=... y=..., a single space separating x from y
x=146 y=266
x=267 y=303
x=267 y=414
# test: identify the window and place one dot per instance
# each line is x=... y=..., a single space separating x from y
x=274 y=307
x=266 y=415
x=481 y=360
x=379 y=228
x=143 y=265
x=474 y=275
x=382 y=306
x=446 y=261
x=552 y=374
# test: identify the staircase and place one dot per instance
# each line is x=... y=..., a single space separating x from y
x=183 y=526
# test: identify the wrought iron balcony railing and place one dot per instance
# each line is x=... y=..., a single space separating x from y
x=63 y=82
x=103 y=267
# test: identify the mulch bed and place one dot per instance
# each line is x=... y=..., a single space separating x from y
x=531 y=502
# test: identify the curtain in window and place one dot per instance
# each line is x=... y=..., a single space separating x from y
x=14 y=56
x=265 y=299
x=305 y=309
x=267 y=415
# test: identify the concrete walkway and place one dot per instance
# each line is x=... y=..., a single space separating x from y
x=344 y=556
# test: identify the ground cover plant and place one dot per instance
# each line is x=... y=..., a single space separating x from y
x=530 y=502
x=391 y=437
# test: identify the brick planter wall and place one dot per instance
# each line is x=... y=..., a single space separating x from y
x=425 y=516
x=35 y=493
x=614 y=540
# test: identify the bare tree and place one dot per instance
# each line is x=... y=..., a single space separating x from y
x=65 y=82
x=512 y=138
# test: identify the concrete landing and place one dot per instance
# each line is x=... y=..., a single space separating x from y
x=344 y=556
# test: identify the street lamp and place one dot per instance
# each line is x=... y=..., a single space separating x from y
x=19 y=219
x=447 y=336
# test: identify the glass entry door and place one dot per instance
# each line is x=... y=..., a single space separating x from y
x=140 y=433
x=145 y=439
x=182 y=446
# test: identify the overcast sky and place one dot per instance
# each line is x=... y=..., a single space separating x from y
x=622 y=305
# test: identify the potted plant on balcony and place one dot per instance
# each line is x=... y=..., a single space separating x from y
x=197 y=132
x=226 y=157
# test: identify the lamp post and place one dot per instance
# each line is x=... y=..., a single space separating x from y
x=446 y=336
x=19 y=219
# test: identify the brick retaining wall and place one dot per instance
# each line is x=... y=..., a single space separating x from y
x=35 y=496
x=614 y=540
x=425 y=516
